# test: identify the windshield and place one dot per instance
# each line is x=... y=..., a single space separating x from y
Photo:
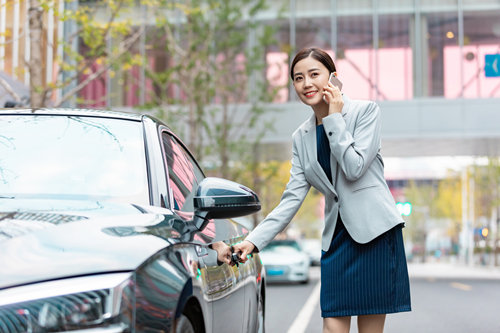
x=283 y=249
x=282 y=246
x=70 y=157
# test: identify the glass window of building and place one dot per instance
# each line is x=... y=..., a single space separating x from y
x=480 y=52
x=440 y=39
x=394 y=55
x=354 y=55
x=314 y=31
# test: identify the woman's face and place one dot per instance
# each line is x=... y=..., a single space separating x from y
x=309 y=78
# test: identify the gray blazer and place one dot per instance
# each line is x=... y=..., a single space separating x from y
x=359 y=191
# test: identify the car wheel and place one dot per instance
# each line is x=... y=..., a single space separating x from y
x=184 y=325
x=261 y=315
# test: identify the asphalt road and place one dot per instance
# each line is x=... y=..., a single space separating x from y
x=450 y=305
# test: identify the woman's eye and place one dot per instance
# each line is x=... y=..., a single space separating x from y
x=298 y=78
x=314 y=74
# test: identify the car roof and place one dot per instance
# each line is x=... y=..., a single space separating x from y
x=73 y=112
x=287 y=241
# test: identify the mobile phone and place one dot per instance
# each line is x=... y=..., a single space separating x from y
x=335 y=80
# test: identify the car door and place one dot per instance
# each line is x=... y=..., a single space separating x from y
x=223 y=285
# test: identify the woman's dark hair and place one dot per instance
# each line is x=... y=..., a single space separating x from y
x=317 y=54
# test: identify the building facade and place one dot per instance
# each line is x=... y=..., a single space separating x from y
x=391 y=50
x=434 y=66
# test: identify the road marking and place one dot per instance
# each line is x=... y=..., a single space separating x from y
x=300 y=323
x=461 y=286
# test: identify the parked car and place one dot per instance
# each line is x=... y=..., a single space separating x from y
x=107 y=224
x=312 y=246
x=285 y=261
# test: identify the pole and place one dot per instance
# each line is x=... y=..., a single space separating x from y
x=471 y=221
x=464 y=234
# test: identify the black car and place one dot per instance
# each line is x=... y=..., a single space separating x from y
x=107 y=224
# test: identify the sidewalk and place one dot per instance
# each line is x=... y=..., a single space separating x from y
x=452 y=271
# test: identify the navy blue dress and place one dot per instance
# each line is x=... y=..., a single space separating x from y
x=361 y=279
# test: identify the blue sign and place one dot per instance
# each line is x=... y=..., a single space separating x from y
x=492 y=65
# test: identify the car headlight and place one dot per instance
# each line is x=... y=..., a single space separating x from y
x=83 y=303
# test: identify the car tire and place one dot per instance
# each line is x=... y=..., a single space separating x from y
x=261 y=316
x=184 y=325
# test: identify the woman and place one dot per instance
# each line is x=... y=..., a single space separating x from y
x=363 y=265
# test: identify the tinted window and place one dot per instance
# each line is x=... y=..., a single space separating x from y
x=72 y=157
x=183 y=173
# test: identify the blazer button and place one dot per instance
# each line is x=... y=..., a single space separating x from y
x=330 y=133
x=336 y=199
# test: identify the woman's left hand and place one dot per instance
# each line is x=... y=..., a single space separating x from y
x=333 y=98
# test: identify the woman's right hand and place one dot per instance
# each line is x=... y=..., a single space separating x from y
x=243 y=249
x=223 y=252
x=333 y=98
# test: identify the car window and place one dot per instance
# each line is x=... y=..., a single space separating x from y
x=183 y=175
x=285 y=249
x=70 y=157
x=283 y=245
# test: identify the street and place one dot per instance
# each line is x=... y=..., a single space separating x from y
x=439 y=305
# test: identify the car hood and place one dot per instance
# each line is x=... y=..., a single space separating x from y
x=65 y=238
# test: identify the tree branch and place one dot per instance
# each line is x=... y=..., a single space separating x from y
x=90 y=61
x=125 y=46
x=9 y=89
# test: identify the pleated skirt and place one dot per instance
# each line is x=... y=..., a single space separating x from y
x=363 y=279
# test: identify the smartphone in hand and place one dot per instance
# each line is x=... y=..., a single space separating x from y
x=335 y=80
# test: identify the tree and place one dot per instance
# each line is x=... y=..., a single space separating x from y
x=422 y=197
x=448 y=204
x=275 y=176
x=214 y=66
x=213 y=89
x=35 y=13
x=443 y=199
x=486 y=178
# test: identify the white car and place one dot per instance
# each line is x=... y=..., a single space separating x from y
x=312 y=247
x=285 y=261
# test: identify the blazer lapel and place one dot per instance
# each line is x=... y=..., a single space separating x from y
x=333 y=161
x=312 y=154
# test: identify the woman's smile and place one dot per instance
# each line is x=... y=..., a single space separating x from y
x=311 y=93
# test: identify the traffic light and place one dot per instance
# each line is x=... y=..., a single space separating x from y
x=404 y=208
x=484 y=232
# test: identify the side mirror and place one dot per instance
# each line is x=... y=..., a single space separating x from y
x=218 y=198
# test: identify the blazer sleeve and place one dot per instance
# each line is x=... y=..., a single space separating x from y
x=291 y=200
x=355 y=152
